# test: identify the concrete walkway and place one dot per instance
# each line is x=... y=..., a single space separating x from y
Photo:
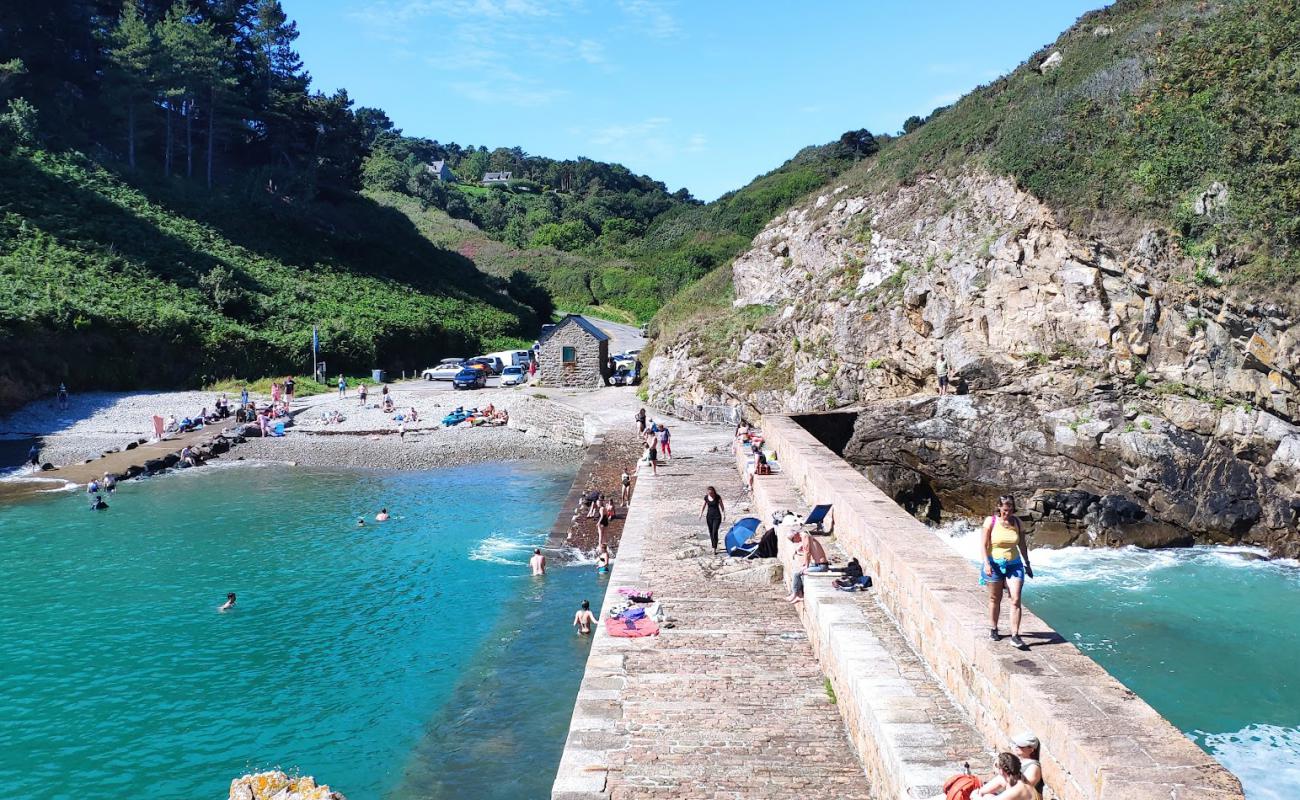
x=729 y=703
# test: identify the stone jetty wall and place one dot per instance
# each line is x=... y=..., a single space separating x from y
x=1100 y=740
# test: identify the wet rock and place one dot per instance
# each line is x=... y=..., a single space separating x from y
x=47 y=466
x=132 y=445
x=278 y=786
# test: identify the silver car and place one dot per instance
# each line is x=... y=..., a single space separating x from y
x=513 y=376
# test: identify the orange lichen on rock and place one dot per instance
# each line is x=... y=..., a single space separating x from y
x=278 y=786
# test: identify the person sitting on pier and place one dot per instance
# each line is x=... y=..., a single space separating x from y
x=1011 y=775
x=188 y=457
x=584 y=619
x=812 y=558
x=171 y=426
x=1025 y=747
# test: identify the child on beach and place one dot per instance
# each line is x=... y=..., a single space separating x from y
x=584 y=619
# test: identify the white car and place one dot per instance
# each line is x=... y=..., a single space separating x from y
x=513 y=376
x=442 y=372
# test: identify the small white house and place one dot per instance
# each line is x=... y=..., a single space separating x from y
x=490 y=178
x=441 y=171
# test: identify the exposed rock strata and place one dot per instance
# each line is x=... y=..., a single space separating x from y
x=1101 y=367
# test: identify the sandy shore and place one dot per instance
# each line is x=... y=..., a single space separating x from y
x=540 y=429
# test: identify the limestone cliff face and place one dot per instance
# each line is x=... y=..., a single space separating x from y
x=1106 y=369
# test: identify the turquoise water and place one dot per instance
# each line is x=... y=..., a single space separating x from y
x=1208 y=637
x=409 y=659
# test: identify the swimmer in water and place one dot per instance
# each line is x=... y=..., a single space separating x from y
x=92 y=487
x=98 y=504
x=230 y=602
x=361 y=523
x=584 y=619
x=602 y=560
x=382 y=516
x=538 y=562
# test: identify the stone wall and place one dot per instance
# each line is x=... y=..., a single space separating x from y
x=1100 y=740
x=591 y=367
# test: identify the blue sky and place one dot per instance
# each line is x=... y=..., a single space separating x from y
x=697 y=93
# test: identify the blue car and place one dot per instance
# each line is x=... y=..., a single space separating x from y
x=470 y=378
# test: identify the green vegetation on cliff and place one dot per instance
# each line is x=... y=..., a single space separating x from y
x=1180 y=113
x=1152 y=103
x=104 y=283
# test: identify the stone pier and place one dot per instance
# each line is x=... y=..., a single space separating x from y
x=729 y=703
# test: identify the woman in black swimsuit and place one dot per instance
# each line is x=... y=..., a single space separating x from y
x=712 y=511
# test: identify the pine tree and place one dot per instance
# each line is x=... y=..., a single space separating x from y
x=132 y=57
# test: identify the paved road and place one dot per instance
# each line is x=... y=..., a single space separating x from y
x=622 y=337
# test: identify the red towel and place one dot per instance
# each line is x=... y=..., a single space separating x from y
x=641 y=627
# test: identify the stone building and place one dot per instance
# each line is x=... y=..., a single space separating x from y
x=574 y=353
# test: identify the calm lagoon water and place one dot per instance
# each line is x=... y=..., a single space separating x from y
x=1208 y=637
x=410 y=659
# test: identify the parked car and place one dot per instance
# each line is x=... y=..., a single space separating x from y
x=469 y=378
x=514 y=358
x=513 y=376
x=492 y=363
x=627 y=373
x=442 y=372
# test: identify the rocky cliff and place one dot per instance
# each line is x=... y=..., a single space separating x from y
x=1108 y=377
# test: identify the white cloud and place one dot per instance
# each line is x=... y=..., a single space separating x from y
x=696 y=143
x=652 y=15
x=517 y=95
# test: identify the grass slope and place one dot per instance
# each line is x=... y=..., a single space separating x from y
x=111 y=285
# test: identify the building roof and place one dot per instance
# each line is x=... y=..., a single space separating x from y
x=581 y=322
x=496 y=176
x=436 y=166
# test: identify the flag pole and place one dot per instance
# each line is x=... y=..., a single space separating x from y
x=315 y=345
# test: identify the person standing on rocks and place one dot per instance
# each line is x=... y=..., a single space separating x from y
x=640 y=422
x=361 y=393
x=1006 y=565
x=941 y=372
x=712 y=511
x=625 y=480
x=343 y=386
x=289 y=386
x=34 y=457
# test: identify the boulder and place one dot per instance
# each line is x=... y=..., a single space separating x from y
x=278 y=786
x=1051 y=62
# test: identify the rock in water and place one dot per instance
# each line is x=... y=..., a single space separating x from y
x=278 y=786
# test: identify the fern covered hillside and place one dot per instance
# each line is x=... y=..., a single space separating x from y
x=591 y=234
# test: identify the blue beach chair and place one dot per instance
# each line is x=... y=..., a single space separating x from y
x=816 y=517
x=738 y=534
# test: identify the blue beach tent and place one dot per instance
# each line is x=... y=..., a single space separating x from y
x=741 y=530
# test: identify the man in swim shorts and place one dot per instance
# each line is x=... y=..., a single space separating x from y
x=584 y=619
x=538 y=562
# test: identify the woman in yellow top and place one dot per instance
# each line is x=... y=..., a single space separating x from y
x=1006 y=563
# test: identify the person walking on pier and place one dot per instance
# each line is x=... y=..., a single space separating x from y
x=712 y=511
x=1006 y=565
x=640 y=422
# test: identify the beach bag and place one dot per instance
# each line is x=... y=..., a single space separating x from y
x=960 y=787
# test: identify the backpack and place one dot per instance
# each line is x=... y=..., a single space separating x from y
x=959 y=787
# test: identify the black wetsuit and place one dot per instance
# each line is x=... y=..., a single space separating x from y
x=713 y=517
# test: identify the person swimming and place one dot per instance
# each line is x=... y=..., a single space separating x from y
x=98 y=504
x=584 y=619
x=110 y=483
x=602 y=560
x=382 y=516
x=361 y=523
x=229 y=604
x=538 y=562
